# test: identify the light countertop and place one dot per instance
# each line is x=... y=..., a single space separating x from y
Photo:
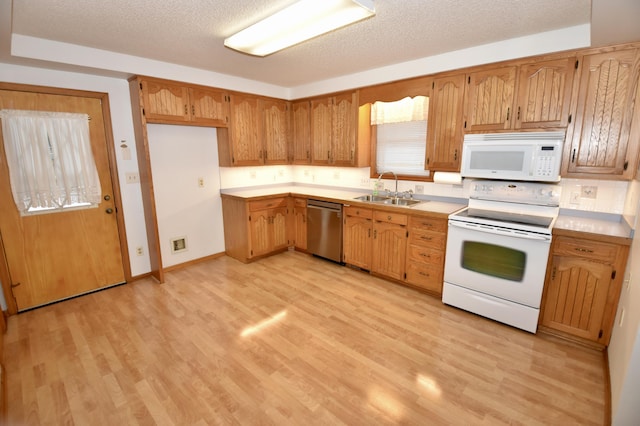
x=344 y=196
x=605 y=227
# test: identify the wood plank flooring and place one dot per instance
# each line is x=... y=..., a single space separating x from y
x=288 y=340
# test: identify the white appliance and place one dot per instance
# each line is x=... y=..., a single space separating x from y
x=533 y=156
x=497 y=250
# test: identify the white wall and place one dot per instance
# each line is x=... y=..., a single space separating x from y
x=180 y=157
x=624 y=350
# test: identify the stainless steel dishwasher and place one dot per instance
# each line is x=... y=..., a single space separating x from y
x=324 y=229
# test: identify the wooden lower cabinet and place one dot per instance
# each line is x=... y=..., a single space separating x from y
x=389 y=244
x=582 y=289
x=300 y=223
x=357 y=234
x=425 y=253
x=255 y=228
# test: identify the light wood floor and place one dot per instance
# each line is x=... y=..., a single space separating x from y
x=290 y=339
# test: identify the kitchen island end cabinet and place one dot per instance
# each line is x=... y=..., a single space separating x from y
x=582 y=288
x=255 y=228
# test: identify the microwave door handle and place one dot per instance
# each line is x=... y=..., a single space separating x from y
x=496 y=231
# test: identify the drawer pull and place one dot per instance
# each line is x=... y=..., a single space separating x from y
x=424 y=274
x=583 y=250
x=425 y=255
x=389 y=217
x=426 y=238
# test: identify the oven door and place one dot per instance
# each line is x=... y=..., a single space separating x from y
x=505 y=263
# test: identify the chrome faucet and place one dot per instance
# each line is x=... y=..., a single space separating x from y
x=394 y=175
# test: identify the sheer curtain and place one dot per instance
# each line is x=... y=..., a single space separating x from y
x=51 y=165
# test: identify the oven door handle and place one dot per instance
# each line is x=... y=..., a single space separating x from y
x=500 y=231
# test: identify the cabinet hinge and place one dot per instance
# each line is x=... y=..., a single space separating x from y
x=626 y=165
x=577 y=62
x=570 y=117
x=600 y=335
x=433 y=85
x=613 y=275
x=469 y=80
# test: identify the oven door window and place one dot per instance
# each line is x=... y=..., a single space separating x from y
x=494 y=260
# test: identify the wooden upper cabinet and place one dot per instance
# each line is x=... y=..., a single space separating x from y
x=301 y=133
x=445 y=128
x=178 y=103
x=209 y=106
x=243 y=131
x=598 y=139
x=345 y=124
x=164 y=101
x=490 y=99
x=275 y=130
x=321 y=130
x=544 y=94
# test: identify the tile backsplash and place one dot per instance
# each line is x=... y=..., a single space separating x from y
x=578 y=194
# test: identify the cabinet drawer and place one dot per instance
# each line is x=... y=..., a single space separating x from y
x=269 y=203
x=589 y=249
x=428 y=224
x=420 y=237
x=358 y=212
x=428 y=277
x=300 y=202
x=399 y=219
x=425 y=255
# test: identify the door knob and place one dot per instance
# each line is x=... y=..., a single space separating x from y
x=109 y=210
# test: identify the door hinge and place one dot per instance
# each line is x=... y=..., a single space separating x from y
x=613 y=275
x=577 y=62
x=600 y=335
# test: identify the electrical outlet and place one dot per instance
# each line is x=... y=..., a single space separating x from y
x=365 y=182
x=575 y=198
x=132 y=177
x=139 y=251
x=589 y=191
x=419 y=189
x=201 y=182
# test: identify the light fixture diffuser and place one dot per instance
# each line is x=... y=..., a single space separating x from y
x=301 y=21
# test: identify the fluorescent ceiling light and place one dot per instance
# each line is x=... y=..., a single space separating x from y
x=301 y=21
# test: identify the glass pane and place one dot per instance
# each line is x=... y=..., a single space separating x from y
x=496 y=261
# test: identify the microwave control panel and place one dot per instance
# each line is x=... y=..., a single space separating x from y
x=546 y=161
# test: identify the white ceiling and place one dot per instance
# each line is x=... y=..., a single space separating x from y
x=191 y=33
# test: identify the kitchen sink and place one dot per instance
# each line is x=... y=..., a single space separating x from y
x=402 y=202
x=387 y=200
x=373 y=198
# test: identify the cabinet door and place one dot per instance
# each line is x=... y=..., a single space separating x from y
x=321 y=130
x=300 y=224
x=165 y=102
x=301 y=144
x=345 y=124
x=260 y=233
x=576 y=296
x=209 y=107
x=490 y=99
x=604 y=110
x=445 y=128
x=275 y=130
x=246 y=150
x=279 y=238
x=544 y=94
x=389 y=249
x=357 y=247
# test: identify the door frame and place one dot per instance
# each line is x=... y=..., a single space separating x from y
x=5 y=275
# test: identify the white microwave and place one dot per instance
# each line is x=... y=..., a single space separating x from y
x=530 y=156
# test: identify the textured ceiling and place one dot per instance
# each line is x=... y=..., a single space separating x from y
x=191 y=33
